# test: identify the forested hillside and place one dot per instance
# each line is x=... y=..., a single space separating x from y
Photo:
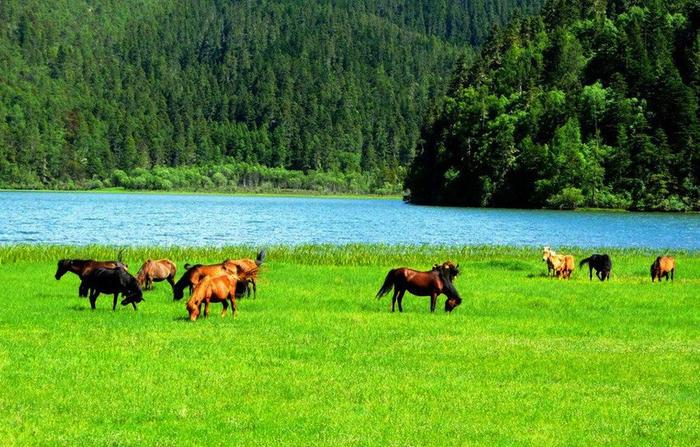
x=90 y=87
x=590 y=104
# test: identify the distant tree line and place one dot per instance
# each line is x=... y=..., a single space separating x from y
x=88 y=88
x=589 y=104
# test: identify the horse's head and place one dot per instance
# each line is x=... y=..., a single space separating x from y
x=654 y=270
x=193 y=310
x=63 y=266
x=133 y=296
x=451 y=303
x=141 y=277
x=546 y=253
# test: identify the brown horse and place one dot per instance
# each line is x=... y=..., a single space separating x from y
x=662 y=266
x=561 y=265
x=247 y=269
x=155 y=271
x=83 y=267
x=194 y=274
x=218 y=289
x=250 y=267
x=431 y=283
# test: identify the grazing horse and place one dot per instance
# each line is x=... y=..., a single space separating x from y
x=113 y=281
x=561 y=265
x=247 y=269
x=662 y=266
x=431 y=283
x=196 y=273
x=156 y=271
x=251 y=266
x=83 y=267
x=602 y=265
x=218 y=289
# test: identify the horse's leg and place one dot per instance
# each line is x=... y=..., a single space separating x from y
x=255 y=289
x=590 y=273
x=672 y=272
x=433 y=301
x=114 y=304
x=400 y=299
x=223 y=311
x=393 y=299
x=234 y=307
x=93 y=298
x=170 y=281
x=206 y=309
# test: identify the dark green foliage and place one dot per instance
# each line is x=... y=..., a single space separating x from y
x=88 y=87
x=590 y=104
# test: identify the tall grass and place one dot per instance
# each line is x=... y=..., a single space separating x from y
x=349 y=255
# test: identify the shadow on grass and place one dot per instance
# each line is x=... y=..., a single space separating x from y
x=537 y=275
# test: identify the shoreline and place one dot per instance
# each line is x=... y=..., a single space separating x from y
x=301 y=194
x=279 y=193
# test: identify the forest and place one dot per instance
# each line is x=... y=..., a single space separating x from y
x=168 y=94
x=589 y=104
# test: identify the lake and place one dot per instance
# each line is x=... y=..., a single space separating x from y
x=198 y=220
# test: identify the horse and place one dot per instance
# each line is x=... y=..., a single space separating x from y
x=196 y=273
x=113 y=281
x=155 y=271
x=451 y=269
x=213 y=289
x=246 y=268
x=251 y=266
x=550 y=268
x=602 y=265
x=83 y=267
x=431 y=283
x=662 y=266
x=561 y=265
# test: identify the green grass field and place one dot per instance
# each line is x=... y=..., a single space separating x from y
x=316 y=360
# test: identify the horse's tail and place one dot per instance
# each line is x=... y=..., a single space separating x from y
x=261 y=258
x=585 y=261
x=388 y=284
x=188 y=266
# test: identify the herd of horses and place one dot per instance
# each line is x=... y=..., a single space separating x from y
x=223 y=283
x=234 y=278
x=561 y=266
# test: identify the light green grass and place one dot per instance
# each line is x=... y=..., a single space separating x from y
x=316 y=360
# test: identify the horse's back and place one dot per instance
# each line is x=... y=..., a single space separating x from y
x=667 y=263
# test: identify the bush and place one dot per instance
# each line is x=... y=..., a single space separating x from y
x=568 y=199
x=94 y=184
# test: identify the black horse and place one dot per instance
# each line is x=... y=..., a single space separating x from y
x=602 y=265
x=113 y=281
x=83 y=267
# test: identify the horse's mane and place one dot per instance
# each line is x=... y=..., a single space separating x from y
x=448 y=288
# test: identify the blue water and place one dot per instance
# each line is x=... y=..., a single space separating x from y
x=149 y=219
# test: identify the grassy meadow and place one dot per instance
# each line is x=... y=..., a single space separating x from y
x=316 y=360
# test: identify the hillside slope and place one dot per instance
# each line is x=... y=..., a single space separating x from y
x=87 y=87
x=581 y=106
